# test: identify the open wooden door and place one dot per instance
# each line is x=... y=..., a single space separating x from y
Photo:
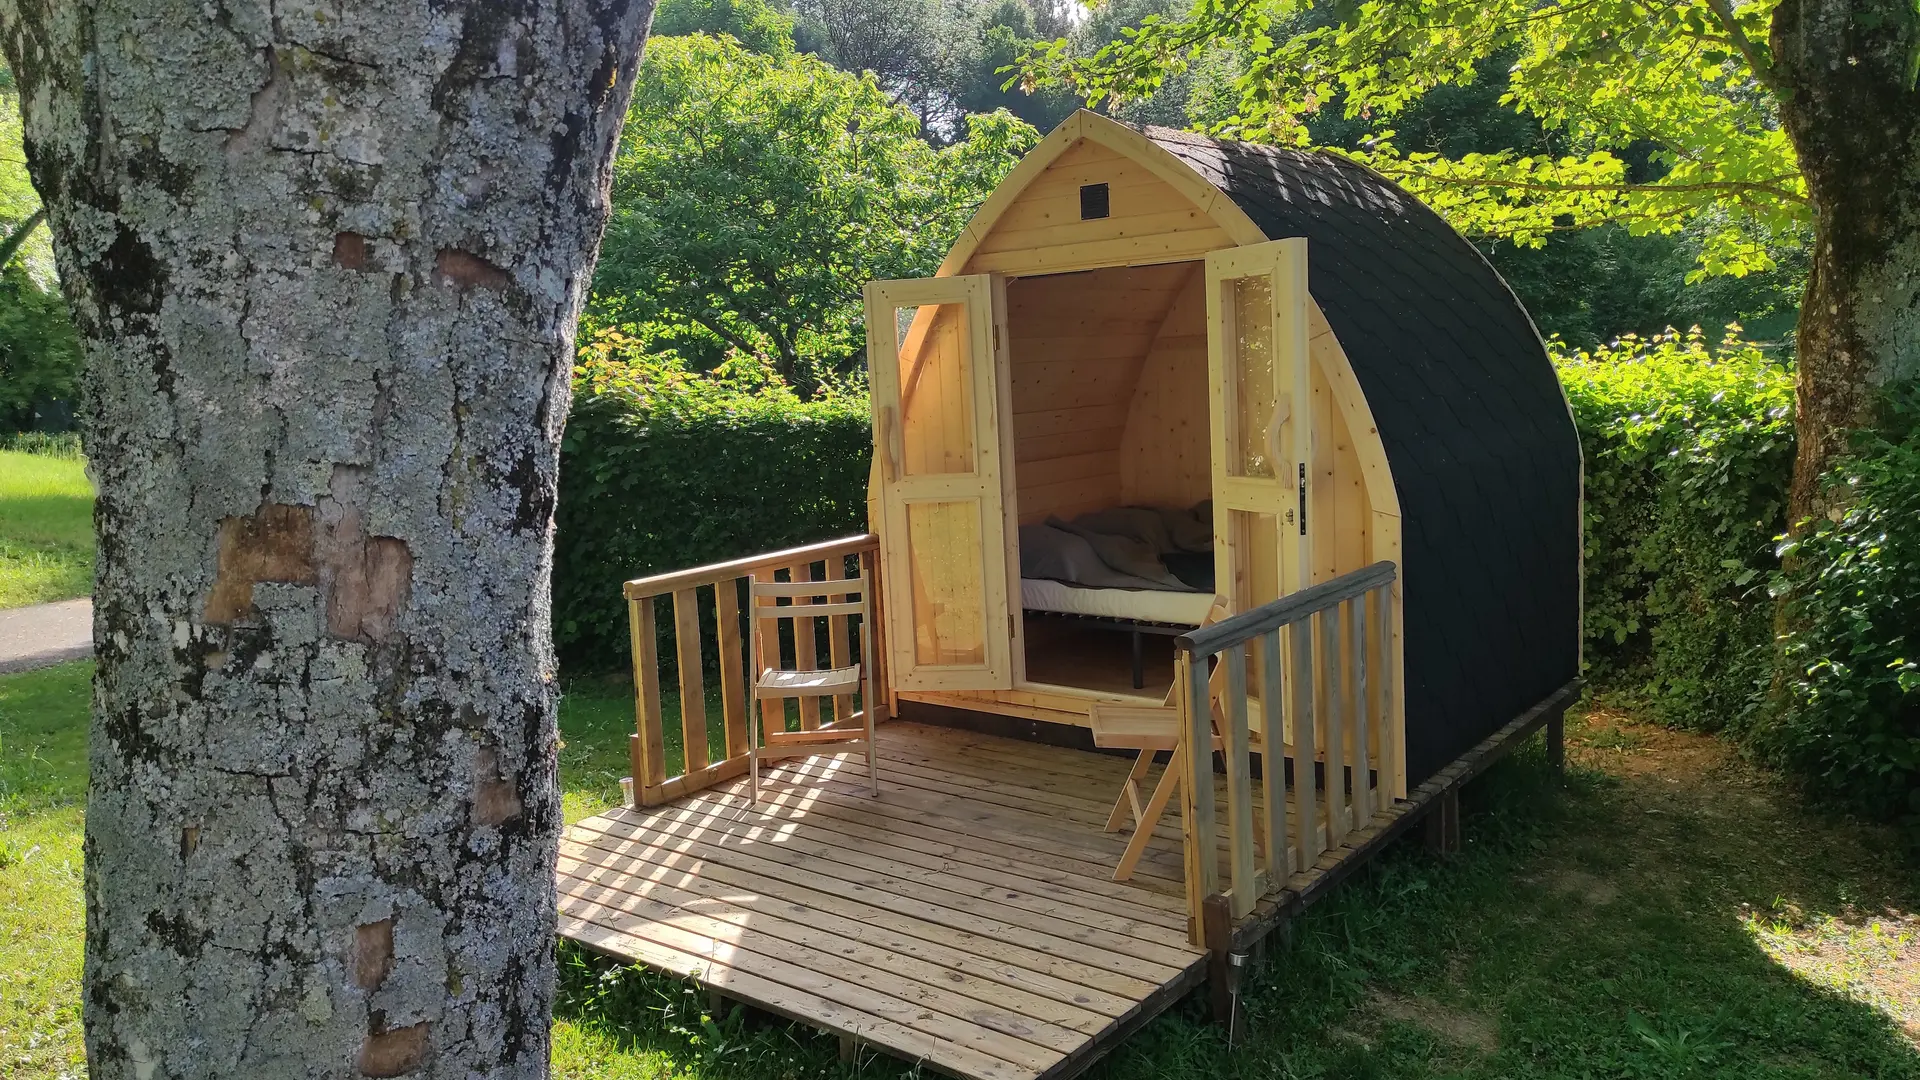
x=937 y=369
x=1261 y=419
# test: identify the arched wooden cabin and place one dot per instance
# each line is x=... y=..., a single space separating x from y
x=1161 y=381
x=1155 y=318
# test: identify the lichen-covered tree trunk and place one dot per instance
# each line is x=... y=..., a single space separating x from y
x=1844 y=71
x=326 y=259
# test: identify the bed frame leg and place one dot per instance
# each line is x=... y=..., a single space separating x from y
x=1139 y=661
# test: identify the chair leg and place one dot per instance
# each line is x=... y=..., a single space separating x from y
x=873 y=759
x=753 y=749
x=1129 y=800
x=1143 y=830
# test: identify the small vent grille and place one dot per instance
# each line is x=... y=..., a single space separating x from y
x=1093 y=201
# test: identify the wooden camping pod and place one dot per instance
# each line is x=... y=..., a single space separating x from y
x=1101 y=372
x=1390 y=483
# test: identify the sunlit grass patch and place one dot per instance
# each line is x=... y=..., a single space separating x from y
x=46 y=529
x=1873 y=959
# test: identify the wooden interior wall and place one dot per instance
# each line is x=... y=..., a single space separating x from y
x=1340 y=518
x=1164 y=452
x=1147 y=221
x=1077 y=344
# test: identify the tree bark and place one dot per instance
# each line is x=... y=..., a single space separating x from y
x=326 y=261
x=1844 y=73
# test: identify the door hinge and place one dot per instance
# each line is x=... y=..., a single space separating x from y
x=996 y=337
x=1303 y=498
x=1010 y=625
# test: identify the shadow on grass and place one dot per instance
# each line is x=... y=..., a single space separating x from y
x=1612 y=928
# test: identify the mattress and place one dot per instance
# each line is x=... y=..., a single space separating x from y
x=1147 y=605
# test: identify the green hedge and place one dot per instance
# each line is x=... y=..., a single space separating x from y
x=1849 y=716
x=1689 y=449
x=661 y=470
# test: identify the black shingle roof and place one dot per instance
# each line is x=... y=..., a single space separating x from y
x=1484 y=455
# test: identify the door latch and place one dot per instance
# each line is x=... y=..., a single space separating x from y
x=1303 y=498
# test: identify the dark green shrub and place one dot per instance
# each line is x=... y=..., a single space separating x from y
x=1689 y=448
x=662 y=470
x=1850 y=717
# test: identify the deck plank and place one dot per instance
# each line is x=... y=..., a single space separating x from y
x=966 y=919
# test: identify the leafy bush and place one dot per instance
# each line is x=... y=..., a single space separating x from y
x=664 y=469
x=1850 y=721
x=1689 y=449
x=753 y=197
x=64 y=445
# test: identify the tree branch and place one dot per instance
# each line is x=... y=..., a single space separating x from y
x=1726 y=187
x=11 y=245
x=1762 y=70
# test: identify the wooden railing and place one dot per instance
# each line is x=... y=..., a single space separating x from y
x=1322 y=688
x=650 y=785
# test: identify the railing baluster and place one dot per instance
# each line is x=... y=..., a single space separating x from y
x=1336 y=735
x=806 y=656
x=773 y=710
x=1305 y=811
x=1273 y=762
x=1240 y=857
x=1362 y=716
x=1196 y=748
x=838 y=645
x=646 y=747
x=1383 y=676
x=733 y=685
x=693 y=682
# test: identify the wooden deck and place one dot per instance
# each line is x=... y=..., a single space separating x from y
x=966 y=919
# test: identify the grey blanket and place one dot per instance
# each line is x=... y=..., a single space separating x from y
x=1115 y=549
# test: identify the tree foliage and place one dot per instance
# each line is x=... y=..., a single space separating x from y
x=1658 y=120
x=758 y=25
x=754 y=196
x=39 y=355
x=1852 y=725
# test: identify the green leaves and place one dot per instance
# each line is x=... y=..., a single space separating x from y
x=1849 y=722
x=754 y=196
x=1663 y=113
x=1689 y=448
x=663 y=468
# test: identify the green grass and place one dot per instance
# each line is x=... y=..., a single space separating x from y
x=1671 y=913
x=46 y=529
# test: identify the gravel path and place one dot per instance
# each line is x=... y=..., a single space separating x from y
x=34 y=637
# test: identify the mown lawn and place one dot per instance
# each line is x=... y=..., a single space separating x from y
x=46 y=529
x=1669 y=914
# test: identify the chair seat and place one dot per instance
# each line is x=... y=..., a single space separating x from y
x=826 y=682
x=1142 y=727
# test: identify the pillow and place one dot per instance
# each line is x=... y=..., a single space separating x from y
x=1055 y=554
x=1139 y=522
x=1124 y=553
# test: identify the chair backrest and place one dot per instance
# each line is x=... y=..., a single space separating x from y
x=811 y=599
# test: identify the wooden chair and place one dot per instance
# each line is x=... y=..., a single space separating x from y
x=1150 y=729
x=810 y=600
